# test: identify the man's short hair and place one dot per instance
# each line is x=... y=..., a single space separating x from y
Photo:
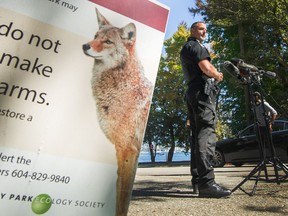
x=257 y=93
x=195 y=24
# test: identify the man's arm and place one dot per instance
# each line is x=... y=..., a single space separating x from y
x=273 y=114
x=210 y=70
x=271 y=110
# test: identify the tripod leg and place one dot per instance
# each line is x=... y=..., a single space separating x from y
x=258 y=169
x=258 y=177
x=275 y=169
x=283 y=167
x=266 y=172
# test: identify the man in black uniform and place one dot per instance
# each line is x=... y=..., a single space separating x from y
x=200 y=75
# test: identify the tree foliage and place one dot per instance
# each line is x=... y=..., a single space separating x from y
x=168 y=114
x=257 y=32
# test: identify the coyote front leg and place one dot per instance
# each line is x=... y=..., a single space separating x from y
x=127 y=165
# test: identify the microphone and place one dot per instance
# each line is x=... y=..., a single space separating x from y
x=269 y=74
x=241 y=65
x=239 y=69
x=232 y=69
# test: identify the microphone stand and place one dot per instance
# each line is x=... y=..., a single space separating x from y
x=255 y=174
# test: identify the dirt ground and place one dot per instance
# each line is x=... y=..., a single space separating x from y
x=166 y=191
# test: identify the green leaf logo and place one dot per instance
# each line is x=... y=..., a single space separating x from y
x=41 y=204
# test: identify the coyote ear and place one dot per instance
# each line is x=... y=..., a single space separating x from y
x=129 y=33
x=101 y=19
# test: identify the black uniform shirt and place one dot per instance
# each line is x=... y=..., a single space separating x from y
x=191 y=54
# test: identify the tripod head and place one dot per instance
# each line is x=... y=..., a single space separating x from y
x=244 y=72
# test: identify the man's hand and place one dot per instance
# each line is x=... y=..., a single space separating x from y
x=219 y=77
x=270 y=127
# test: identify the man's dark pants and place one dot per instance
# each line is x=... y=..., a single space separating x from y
x=203 y=120
x=193 y=159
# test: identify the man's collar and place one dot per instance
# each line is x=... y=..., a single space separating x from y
x=192 y=38
x=195 y=39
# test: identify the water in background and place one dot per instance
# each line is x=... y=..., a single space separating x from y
x=162 y=157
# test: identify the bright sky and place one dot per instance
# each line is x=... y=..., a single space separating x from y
x=178 y=13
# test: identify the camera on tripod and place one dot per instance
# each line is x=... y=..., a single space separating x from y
x=237 y=67
x=250 y=75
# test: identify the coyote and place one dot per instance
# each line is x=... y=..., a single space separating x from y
x=123 y=95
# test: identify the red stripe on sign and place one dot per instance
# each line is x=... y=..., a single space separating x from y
x=142 y=11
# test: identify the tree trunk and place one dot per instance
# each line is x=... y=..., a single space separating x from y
x=246 y=89
x=171 y=153
x=171 y=150
x=152 y=152
x=241 y=39
x=249 y=117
